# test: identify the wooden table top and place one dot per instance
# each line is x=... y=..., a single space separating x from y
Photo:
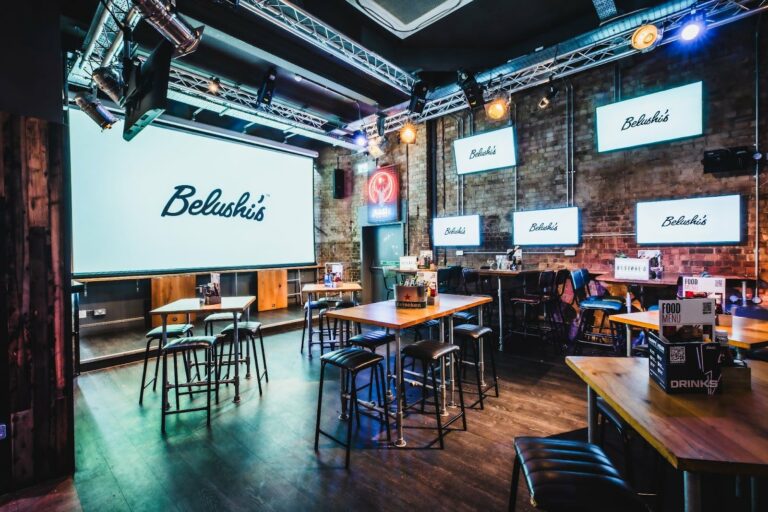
x=667 y=280
x=401 y=271
x=228 y=305
x=340 y=287
x=385 y=314
x=500 y=273
x=738 y=336
x=722 y=433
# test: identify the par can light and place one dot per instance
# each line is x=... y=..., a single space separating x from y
x=163 y=17
x=408 y=133
x=694 y=25
x=109 y=81
x=646 y=37
x=95 y=110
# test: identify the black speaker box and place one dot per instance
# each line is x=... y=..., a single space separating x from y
x=339 y=184
x=738 y=159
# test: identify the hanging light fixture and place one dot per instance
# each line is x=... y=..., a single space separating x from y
x=360 y=139
x=109 y=81
x=408 y=133
x=694 y=25
x=214 y=85
x=497 y=108
x=646 y=37
x=95 y=110
x=550 y=95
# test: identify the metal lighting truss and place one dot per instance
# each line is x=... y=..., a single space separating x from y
x=612 y=43
x=301 y=24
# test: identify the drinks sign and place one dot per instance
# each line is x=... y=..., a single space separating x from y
x=383 y=195
x=667 y=115
x=461 y=231
x=485 y=152
x=557 y=226
x=702 y=220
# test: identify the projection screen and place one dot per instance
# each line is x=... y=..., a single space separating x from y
x=174 y=201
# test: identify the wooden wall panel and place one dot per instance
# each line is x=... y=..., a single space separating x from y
x=168 y=289
x=272 y=289
x=35 y=342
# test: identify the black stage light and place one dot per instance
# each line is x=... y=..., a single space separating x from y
x=381 y=121
x=472 y=90
x=109 y=81
x=267 y=87
x=95 y=110
x=418 y=97
x=163 y=16
x=550 y=95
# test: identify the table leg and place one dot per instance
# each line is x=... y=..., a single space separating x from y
x=628 y=329
x=692 y=491
x=501 y=315
x=591 y=415
x=754 y=490
x=163 y=342
x=744 y=292
x=309 y=324
x=443 y=394
x=453 y=363
x=76 y=329
x=400 y=442
x=481 y=350
x=236 y=341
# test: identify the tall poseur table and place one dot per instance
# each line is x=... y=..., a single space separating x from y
x=722 y=433
x=499 y=275
x=188 y=307
x=310 y=290
x=386 y=315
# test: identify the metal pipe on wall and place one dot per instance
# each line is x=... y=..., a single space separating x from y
x=757 y=162
x=567 y=149
x=571 y=143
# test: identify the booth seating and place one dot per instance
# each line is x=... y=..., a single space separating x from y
x=215 y=318
x=471 y=336
x=352 y=361
x=246 y=332
x=372 y=340
x=156 y=334
x=563 y=475
x=591 y=307
x=188 y=348
x=432 y=354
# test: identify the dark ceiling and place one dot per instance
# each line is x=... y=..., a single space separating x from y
x=239 y=46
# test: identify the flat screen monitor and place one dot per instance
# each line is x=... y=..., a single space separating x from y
x=459 y=231
x=667 y=115
x=172 y=201
x=485 y=151
x=698 y=221
x=555 y=226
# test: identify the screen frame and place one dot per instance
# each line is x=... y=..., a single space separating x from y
x=514 y=150
x=578 y=227
x=651 y=144
x=479 y=231
x=742 y=224
x=169 y=125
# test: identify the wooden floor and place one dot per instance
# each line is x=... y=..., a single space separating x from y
x=258 y=455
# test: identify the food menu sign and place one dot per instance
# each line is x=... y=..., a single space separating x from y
x=486 y=151
x=701 y=220
x=556 y=226
x=383 y=195
x=667 y=115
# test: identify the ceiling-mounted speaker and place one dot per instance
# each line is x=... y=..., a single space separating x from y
x=339 y=184
x=737 y=159
x=267 y=88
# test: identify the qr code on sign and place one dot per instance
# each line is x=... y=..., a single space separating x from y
x=706 y=308
x=677 y=355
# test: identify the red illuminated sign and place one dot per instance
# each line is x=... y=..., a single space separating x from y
x=383 y=195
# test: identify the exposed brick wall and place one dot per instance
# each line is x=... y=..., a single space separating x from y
x=607 y=185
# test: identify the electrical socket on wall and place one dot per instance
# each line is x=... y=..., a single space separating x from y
x=99 y=312
x=83 y=314
x=570 y=252
x=459 y=253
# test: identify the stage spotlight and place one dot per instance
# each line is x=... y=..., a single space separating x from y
x=360 y=139
x=472 y=90
x=418 y=97
x=550 y=95
x=376 y=147
x=693 y=26
x=497 y=108
x=381 y=121
x=214 y=85
x=267 y=87
x=408 y=133
x=163 y=17
x=646 y=37
x=109 y=81
x=95 y=110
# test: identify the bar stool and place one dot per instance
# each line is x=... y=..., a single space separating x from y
x=428 y=325
x=352 y=361
x=247 y=331
x=309 y=307
x=472 y=336
x=156 y=334
x=210 y=320
x=187 y=347
x=372 y=340
x=431 y=354
x=341 y=327
x=564 y=475
x=538 y=292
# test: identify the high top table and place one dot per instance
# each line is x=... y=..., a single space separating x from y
x=499 y=275
x=313 y=289
x=722 y=433
x=188 y=307
x=386 y=315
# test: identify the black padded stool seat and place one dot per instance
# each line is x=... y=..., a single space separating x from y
x=465 y=316
x=171 y=330
x=190 y=342
x=372 y=339
x=221 y=317
x=473 y=331
x=343 y=304
x=316 y=304
x=430 y=324
x=351 y=359
x=564 y=475
x=247 y=330
x=251 y=328
x=429 y=350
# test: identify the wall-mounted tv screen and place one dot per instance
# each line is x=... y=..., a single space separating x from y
x=460 y=231
x=701 y=220
x=667 y=115
x=555 y=226
x=486 y=151
x=171 y=200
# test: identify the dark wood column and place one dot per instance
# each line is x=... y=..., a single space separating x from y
x=35 y=320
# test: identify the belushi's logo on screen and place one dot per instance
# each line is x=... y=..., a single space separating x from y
x=479 y=152
x=543 y=226
x=184 y=201
x=645 y=120
x=456 y=230
x=682 y=220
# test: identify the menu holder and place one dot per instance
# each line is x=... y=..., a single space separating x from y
x=410 y=297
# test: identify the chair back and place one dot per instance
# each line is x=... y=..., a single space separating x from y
x=561 y=279
x=579 y=285
x=471 y=279
x=531 y=282
x=547 y=282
